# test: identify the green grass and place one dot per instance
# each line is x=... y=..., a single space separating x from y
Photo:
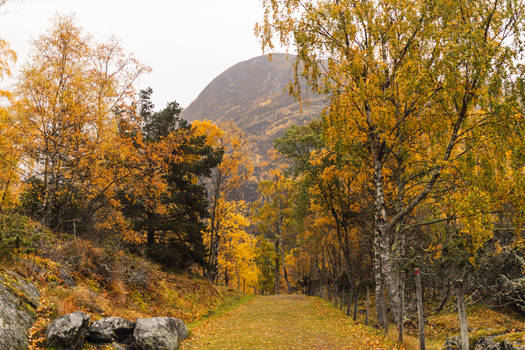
x=229 y=303
x=282 y=322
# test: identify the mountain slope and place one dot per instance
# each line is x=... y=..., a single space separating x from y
x=254 y=95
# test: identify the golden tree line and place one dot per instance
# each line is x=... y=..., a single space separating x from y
x=418 y=160
x=86 y=154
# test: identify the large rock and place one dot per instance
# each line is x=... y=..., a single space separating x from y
x=158 y=333
x=68 y=331
x=512 y=346
x=18 y=302
x=487 y=343
x=452 y=344
x=110 y=329
x=182 y=330
x=491 y=343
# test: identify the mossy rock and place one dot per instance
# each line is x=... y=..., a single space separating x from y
x=18 y=302
x=475 y=336
x=513 y=337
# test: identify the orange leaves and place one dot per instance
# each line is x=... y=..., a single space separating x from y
x=236 y=166
x=7 y=57
x=11 y=140
x=236 y=248
x=74 y=98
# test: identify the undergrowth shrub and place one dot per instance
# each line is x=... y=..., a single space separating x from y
x=108 y=266
x=18 y=233
x=501 y=278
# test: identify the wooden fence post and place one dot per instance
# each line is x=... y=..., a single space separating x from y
x=462 y=315
x=419 y=297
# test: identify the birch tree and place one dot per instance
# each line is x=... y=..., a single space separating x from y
x=418 y=82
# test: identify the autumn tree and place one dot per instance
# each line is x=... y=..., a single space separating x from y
x=236 y=248
x=73 y=96
x=273 y=218
x=234 y=170
x=168 y=205
x=418 y=82
x=11 y=142
x=265 y=259
x=338 y=186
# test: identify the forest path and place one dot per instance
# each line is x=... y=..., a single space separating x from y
x=283 y=322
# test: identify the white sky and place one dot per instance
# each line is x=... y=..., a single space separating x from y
x=186 y=42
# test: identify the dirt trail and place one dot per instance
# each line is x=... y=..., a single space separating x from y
x=283 y=322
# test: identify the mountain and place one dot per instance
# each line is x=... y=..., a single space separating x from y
x=254 y=95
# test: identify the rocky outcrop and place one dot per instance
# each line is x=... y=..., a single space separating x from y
x=512 y=346
x=182 y=330
x=487 y=343
x=111 y=329
x=68 y=331
x=157 y=333
x=452 y=344
x=154 y=333
x=18 y=302
x=484 y=343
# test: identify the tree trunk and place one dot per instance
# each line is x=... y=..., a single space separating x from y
x=380 y=250
x=356 y=299
x=367 y=305
x=462 y=315
x=277 y=268
x=379 y=292
x=288 y=284
x=150 y=241
x=349 y=300
x=391 y=278
x=401 y=308
x=445 y=299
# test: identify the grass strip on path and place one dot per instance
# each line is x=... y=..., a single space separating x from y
x=284 y=322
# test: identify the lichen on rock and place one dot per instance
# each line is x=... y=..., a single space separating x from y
x=18 y=302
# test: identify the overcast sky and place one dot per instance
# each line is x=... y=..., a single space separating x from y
x=186 y=42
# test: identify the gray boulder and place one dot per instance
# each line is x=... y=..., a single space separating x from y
x=110 y=329
x=66 y=278
x=118 y=346
x=182 y=330
x=487 y=343
x=452 y=344
x=68 y=331
x=158 y=333
x=18 y=302
x=512 y=346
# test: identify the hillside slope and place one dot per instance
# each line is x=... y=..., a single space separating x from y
x=57 y=274
x=254 y=95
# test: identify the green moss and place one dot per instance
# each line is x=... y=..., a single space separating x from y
x=28 y=308
x=229 y=303
x=93 y=285
x=138 y=299
x=12 y=285
x=52 y=278
x=482 y=333
x=518 y=337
